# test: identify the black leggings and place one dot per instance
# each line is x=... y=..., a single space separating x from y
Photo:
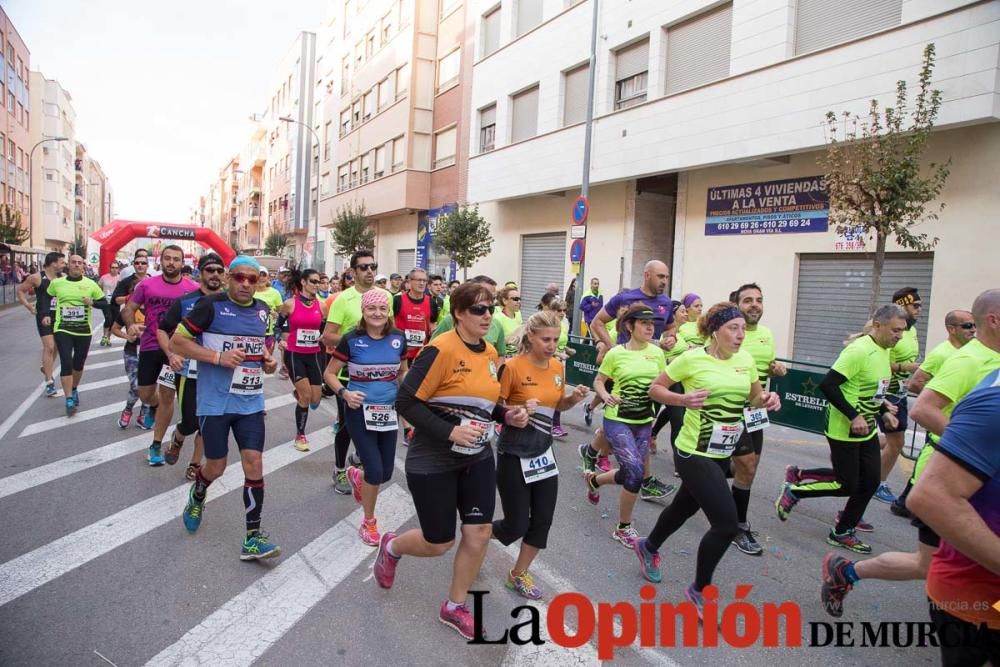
x=856 y=471
x=341 y=441
x=527 y=508
x=73 y=352
x=187 y=391
x=672 y=414
x=704 y=487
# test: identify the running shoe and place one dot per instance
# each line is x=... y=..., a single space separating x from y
x=341 y=484
x=848 y=541
x=335 y=428
x=385 y=563
x=408 y=436
x=649 y=561
x=559 y=432
x=654 y=489
x=898 y=508
x=785 y=502
x=76 y=396
x=50 y=389
x=627 y=536
x=283 y=373
x=593 y=494
x=173 y=450
x=603 y=463
x=192 y=511
x=884 y=494
x=589 y=461
x=354 y=460
x=70 y=407
x=301 y=443
x=105 y=341
x=746 y=542
x=155 y=455
x=140 y=421
x=125 y=418
x=863 y=526
x=355 y=477
x=792 y=475
x=368 y=531
x=150 y=419
x=835 y=584
x=523 y=585
x=257 y=545
x=696 y=598
x=588 y=415
x=458 y=619
x=192 y=471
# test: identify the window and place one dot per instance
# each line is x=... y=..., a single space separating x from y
x=575 y=84
x=631 y=73
x=398 y=153
x=448 y=69
x=529 y=15
x=342 y=178
x=369 y=103
x=49 y=176
x=354 y=172
x=366 y=167
x=356 y=112
x=327 y=141
x=387 y=28
x=817 y=27
x=402 y=80
x=444 y=147
x=698 y=49
x=345 y=74
x=324 y=184
x=369 y=44
x=379 y=161
x=359 y=55
x=487 y=128
x=385 y=93
x=524 y=119
x=491 y=32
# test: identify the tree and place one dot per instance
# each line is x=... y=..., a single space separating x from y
x=352 y=230
x=874 y=174
x=11 y=231
x=78 y=246
x=276 y=243
x=465 y=236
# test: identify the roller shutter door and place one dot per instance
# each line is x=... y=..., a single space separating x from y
x=405 y=260
x=543 y=261
x=832 y=300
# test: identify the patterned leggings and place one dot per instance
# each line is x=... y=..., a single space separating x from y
x=629 y=443
x=131 y=370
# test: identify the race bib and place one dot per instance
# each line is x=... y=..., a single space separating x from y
x=484 y=438
x=74 y=314
x=192 y=372
x=883 y=389
x=755 y=419
x=247 y=381
x=539 y=467
x=415 y=337
x=380 y=418
x=307 y=337
x=167 y=377
x=724 y=439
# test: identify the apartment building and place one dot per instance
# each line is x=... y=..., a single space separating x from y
x=394 y=103
x=59 y=182
x=699 y=107
x=91 y=204
x=250 y=192
x=15 y=122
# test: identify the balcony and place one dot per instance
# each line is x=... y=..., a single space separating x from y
x=78 y=165
x=396 y=192
x=253 y=214
x=78 y=191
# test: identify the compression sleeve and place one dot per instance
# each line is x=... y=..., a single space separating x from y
x=415 y=410
x=830 y=386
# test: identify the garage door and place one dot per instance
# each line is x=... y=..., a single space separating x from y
x=833 y=295
x=543 y=261
x=405 y=260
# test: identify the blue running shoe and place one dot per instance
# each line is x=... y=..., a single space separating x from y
x=50 y=389
x=649 y=562
x=76 y=397
x=192 y=511
x=150 y=418
x=256 y=545
x=884 y=494
x=70 y=407
x=155 y=455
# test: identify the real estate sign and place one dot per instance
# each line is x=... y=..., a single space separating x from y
x=791 y=205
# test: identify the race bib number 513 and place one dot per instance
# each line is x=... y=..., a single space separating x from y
x=247 y=381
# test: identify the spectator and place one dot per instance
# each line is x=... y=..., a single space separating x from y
x=592 y=301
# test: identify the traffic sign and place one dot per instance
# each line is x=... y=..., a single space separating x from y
x=581 y=209
x=576 y=251
x=578 y=231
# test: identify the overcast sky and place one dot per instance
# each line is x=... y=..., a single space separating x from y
x=162 y=90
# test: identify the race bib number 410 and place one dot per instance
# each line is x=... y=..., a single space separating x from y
x=539 y=467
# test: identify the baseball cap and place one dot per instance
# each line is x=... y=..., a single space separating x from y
x=394 y=276
x=643 y=314
x=380 y=276
x=209 y=259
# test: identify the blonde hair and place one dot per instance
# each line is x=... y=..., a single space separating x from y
x=542 y=319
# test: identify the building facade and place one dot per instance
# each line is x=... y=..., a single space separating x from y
x=58 y=174
x=15 y=123
x=701 y=109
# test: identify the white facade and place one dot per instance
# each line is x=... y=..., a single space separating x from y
x=53 y=165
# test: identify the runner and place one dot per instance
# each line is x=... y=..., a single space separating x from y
x=272 y=297
x=562 y=353
x=628 y=414
x=495 y=337
x=231 y=358
x=509 y=317
x=595 y=402
x=450 y=465
x=44 y=311
x=436 y=289
x=157 y=365
x=719 y=381
x=324 y=286
x=527 y=474
x=395 y=284
x=690 y=331
x=344 y=316
x=759 y=343
x=903 y=362
x=108 y=283
x=855 y=388
x=415 y=314
x=130 y=356
x=75 y=297
x=375 y=356
x=305 y=314
x=211 y=272
x=672 y=414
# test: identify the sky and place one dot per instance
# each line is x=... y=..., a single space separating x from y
x=162 y=90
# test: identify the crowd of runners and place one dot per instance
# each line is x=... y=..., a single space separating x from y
x=462 y=370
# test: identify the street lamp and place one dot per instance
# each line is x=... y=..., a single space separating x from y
x=289 y=119
x=31 y=174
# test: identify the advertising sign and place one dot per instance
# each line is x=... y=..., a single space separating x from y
x=803 y=405
x=792 y=205
x=426 y=258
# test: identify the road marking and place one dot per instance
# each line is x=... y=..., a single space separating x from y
x=242 y=629
x=100 y=384
x=21 y=409
x=106 y=350
x=59 y=422
x=50 y=472
x=94 y=367
x=51 y=561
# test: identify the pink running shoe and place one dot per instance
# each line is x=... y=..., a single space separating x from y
x=355 y=477
x=368 y=531
x=460 y=620
x=593 y=495
x=603 y=463
x=385 y=563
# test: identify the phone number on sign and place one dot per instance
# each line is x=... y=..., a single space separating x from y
x=764 y=226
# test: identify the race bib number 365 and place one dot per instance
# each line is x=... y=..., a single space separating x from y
x=247 y=381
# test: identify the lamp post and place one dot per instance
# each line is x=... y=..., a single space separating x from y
x=31 y=174
x=289 y=119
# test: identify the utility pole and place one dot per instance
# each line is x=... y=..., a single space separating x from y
x=585 y=181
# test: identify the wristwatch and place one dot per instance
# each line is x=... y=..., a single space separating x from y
x=340 y=392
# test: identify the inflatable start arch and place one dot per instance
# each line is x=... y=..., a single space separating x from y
x=105 y=243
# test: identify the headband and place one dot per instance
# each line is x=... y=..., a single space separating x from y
x=689 y=299
x=720 y=318
x=208 y=260
x=243 y=260
x=374 y=297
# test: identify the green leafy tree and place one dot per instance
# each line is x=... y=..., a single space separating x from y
x=352 y=230
x=875 y=174
x=11 y=231
x=276 y=243
x=78 y=246
x=465 y=236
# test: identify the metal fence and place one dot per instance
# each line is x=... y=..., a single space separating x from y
x=8 y=294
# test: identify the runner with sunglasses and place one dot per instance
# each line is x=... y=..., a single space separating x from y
x=416 y=313
x=495 y=336
x=272 y=297
x=509 y=317
x=304 y=313
x=44 y=311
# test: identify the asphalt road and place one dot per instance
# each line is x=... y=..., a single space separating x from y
x=96 y=567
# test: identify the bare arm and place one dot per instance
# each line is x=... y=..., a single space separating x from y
x=31 y=282
x=599 y=328
x=759 y=398
x=570 y=400
x=331 y=335
x=917 y=382
x=128 y=313
x=928 y=411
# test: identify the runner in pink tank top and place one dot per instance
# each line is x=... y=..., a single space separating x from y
x=302 y=351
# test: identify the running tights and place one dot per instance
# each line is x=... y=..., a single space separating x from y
x=856 y=473
x=341 y=441
x=73 y=352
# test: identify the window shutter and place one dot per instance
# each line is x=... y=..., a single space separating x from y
x=698 y=49
x=491 y=32
x=488 y=116
x=525 y=117
x=529 y=14
x=575 y=102
x=632 y=60
x=817 y=25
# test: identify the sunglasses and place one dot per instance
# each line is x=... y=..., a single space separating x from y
x=966 y=325
x=243 y=278
x=514 y=298
x=348 y=277
x=313 y=282
x=367 y=267
x=140 y=263
x=213 y=269
x=481 y=309
x=560 y=310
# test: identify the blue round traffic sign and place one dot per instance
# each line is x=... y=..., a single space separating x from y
x=581 y=208
x=576 y=251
